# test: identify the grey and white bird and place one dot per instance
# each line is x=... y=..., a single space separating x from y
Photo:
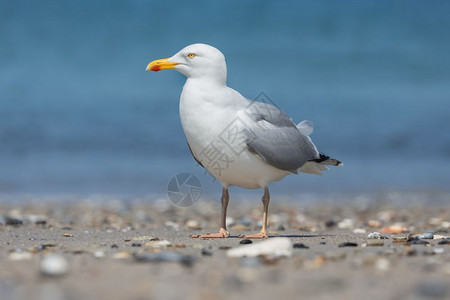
x=239 y=141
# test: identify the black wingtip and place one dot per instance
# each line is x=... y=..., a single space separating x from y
x=325 y=159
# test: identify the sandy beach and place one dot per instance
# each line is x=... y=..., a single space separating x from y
x=134 y=250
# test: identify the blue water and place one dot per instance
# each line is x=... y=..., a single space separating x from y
x=79 y=115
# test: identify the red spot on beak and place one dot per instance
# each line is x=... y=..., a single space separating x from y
x=156 y=68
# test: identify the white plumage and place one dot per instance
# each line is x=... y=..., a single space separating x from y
x=240 y=142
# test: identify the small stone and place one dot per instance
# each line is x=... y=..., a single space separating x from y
x=136 y=244
x=410 y=251
x=347 y=244
x=143 y=238
x=300 y=246
x=418 y=242
x=440 y=237
x=158 y=244
x=99 y=254
x=359 y=231
x=382 y=264
x=13 y=221
x=206 y=252
x=230 y=221
x=172 y=225
x=330 y=223
x=400 y=240
x=438 y=250
x=393 y=229
x=376 y=235
x=322 y=243
x=114 y=246
x=193 y=225
x=66 y=234
x=281 y=228
x=54 y=265
x=444 y=242
x=121 y=255
x=20 y=255
x=346 y=224
x=246 y=241
x=225 y=247
x=374 y=223
x=165 y=257
x=420 y=236
x=274 y=246
x=37 y=219
x=375 y=243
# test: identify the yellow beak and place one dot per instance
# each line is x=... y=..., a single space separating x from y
x=161 y=64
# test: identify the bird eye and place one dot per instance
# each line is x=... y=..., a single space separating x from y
x=191 y=55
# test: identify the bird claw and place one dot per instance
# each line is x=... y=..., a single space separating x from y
x=261 y=235
x=220 y=235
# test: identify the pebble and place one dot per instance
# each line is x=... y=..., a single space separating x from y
x=12 y=221
x=66 y=234
x=36 y=219
x=136 y=244
x=418 y=242
x=359 y=230
x=375 y=243
x=281 y=228
x=346 y=224
x=167 y=256
x=246 y=241
x=99 y=254
x=438 y=250
x=206 y=252
x=444 y=242
x=382 y=264
x=54 y=265
x=158 y=244
x=374 y=223
x=114 y=246
x=193 y=224
x=330 y=223
x=230 y=221
x=144 y=238
x=410 y=251
x=376 y=235
x=20 y=255
x=440 y=237
x=274 y=246
x=393 y=229
x=347 y=244
x=421 y=236
x=121 y=255
x=300 y=246
x=172 y=225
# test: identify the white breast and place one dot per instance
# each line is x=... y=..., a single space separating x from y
x=213 y=127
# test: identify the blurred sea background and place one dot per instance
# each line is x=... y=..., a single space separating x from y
x=80 y=116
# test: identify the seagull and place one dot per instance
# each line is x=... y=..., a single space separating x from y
x=240 y=142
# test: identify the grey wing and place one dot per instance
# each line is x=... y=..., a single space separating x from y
x=273 y=136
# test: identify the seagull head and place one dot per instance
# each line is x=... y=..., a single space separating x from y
x=195 y=61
